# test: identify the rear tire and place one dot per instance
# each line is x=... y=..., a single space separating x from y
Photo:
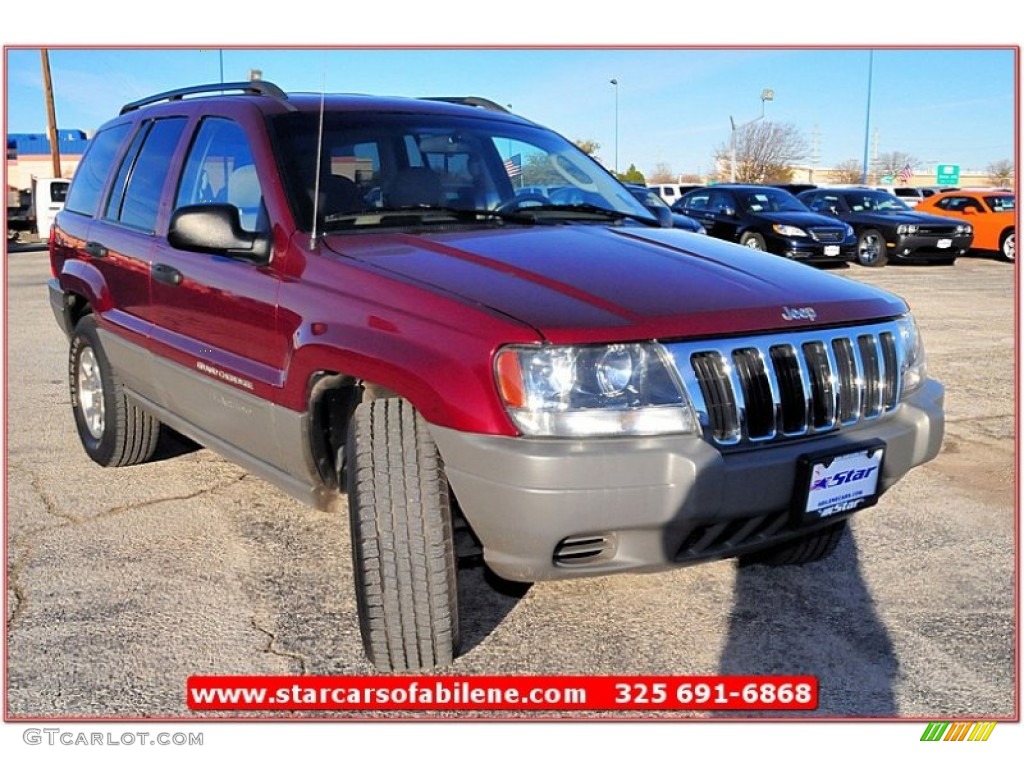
x=808 y=549
x=114 y=430
x=402 y=544
x=1008 y=246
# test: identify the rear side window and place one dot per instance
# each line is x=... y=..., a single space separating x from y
x=143 y=173
x=91 y=176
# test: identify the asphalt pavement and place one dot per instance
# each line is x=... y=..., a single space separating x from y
x=121 y=583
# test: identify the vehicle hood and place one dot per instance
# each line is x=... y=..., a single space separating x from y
x=903 y=217
x=798 y=219
x=580 y=283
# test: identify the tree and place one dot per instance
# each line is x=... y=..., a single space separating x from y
x=632 y=175
x=847 y=172
x=765 y=152
x=662 y=173
x=891 y=163
x=1000 y=173
x=538 y=172
x=589 y=146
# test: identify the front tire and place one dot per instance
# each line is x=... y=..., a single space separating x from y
x=114 y=430
x=808 y=549
x=753 y=241
x=871 y=250
x=403 y=549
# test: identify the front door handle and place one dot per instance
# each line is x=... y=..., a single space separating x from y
x=165 y=273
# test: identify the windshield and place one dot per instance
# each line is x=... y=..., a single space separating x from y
x=870 y=200
x=376 y=165
x=768 y=201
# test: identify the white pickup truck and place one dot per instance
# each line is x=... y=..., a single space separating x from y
x=31 y=211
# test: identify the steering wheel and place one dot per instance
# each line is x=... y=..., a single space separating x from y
x=514 y=203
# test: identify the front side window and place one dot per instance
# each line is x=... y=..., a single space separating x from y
x=220 y=169
x=91 y=176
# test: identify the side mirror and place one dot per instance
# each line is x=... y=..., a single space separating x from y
x=215 y=229
x=730 y=212
x=970 y=210
x=664 y=216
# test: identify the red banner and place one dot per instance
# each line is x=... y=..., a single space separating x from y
x=504 y=693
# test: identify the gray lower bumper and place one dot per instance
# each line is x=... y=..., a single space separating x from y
x=59 y=305
x=646 y=498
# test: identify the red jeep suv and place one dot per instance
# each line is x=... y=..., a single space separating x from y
x=455 y=318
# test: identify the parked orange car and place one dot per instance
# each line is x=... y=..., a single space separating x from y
x=992 y=213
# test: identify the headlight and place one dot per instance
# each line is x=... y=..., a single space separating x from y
x=617 y=389
x=849 y=231
x=906 y=229
x=914 y=370
x=789 y=231
x=964 y=229
x=700 y=230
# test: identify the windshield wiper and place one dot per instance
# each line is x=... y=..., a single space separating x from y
x=422 y=214
x=589 y=210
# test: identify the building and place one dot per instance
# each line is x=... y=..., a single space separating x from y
x=28 y=155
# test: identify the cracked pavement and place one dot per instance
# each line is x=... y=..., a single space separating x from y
x=123 y=582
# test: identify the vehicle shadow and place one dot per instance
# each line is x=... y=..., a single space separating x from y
x=172 y=445
x=484 y=601
x=819 y=620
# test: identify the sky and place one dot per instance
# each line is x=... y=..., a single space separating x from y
x=671 y=105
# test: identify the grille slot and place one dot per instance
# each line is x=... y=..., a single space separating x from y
x=583 y=550
x=760 y=389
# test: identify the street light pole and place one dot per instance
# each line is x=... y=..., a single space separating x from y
x=615 y=82
x=867 y=118
x=766 y=95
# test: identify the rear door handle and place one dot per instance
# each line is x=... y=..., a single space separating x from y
x=167 y=274
x=95 y=250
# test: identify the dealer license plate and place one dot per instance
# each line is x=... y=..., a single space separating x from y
x=831 y=250
x=841 y=483
x=944 y=243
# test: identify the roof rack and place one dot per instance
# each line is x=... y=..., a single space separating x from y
x=256 y=87
x=470 y=101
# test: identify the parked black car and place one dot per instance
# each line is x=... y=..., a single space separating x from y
x=889 y=229
x=769 y=219
x=652 y=202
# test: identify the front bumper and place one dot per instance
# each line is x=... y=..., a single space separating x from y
x=806 y=249
x=553 y=509
x=926 y=247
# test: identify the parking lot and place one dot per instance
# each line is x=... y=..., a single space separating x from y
x=123 y=582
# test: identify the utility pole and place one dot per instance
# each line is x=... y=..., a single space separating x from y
x=51 y=115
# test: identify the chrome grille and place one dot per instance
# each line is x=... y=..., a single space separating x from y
x=828 y=234
x=765 y=388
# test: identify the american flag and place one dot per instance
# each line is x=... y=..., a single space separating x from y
x=514 y=166
x=905 y=173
